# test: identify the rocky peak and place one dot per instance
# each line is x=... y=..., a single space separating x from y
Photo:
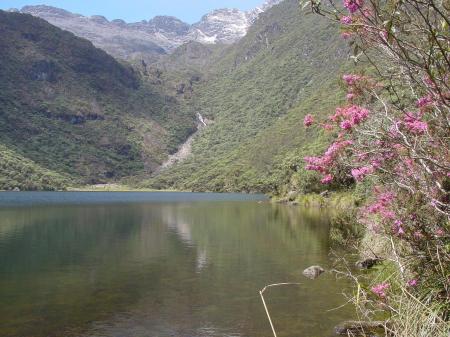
x=221 y=25
x=254 y=13
x=169 y=24
x=159 y=35
x=99 y=19
x=43 y=10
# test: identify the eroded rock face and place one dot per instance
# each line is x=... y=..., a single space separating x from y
x=160 y=35
x=313 y=272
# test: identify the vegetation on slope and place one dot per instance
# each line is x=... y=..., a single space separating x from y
x=75 y=111
x=257 y=93
x=24 y=174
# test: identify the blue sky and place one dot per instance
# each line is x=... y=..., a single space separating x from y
x=137 y=10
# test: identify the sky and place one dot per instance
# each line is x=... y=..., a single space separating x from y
x=136 y=10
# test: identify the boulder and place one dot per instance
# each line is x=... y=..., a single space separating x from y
x=313 y=272
x=292 y=195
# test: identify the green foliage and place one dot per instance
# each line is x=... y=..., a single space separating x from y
x=257 y=93
x=94 y=120
x=73 y=110
x=19 y=172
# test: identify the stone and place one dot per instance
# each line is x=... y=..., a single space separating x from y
x=360 y=328
x=367 y=263
x=292 y=195
x=16 y=189
x=325 y=194
x=313 y=272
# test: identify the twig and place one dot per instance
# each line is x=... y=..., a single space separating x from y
x=264 y=302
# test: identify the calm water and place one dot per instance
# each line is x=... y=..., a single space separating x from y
x=161 y=265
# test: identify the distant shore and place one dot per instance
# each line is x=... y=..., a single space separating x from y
x=113 y=188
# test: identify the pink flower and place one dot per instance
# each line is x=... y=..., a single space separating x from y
x=412 y=283
x=376 y=163
x=398 y=228
x=428 y=81
x=327 y=179
x=367 y=13
x=360 y=173
x=418 y=235
x=350 y=96
x=346 y=20
x=327 y=127
x=351 y=79
x=380 y=289
x=381 y=206
x=439 y=232
x=350 y=116
x=414 y=124
x=424 y=101
x=417 y=127
x=346 y=125
x=353 y=5
x=308 y=121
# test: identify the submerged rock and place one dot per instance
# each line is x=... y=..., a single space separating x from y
x=360 y=328
x=313 y=272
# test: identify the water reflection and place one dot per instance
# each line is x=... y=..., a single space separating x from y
x=172 y=269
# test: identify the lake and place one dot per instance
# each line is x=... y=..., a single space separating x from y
x=162 y=264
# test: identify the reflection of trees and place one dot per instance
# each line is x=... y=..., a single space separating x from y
x=175 y=268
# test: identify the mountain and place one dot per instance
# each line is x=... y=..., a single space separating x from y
x=72 y=114
x=148 y=39
x=257 y=93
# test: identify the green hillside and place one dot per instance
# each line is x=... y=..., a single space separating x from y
x=257 y=93
x=70 y=110
x=75 y=116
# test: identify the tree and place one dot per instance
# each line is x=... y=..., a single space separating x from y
x=394 y=131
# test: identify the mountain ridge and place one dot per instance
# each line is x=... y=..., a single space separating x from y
x=157 y=36
x=255 y=92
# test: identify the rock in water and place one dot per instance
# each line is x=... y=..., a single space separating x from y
x=359 y=328
x=313 y=272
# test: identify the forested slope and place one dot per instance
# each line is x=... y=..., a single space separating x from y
x=70 y=109
x=257 y=93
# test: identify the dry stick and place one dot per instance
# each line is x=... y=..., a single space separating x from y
x=264 y=302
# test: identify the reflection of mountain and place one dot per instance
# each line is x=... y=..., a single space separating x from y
x=158 y=269
x=178 y=225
